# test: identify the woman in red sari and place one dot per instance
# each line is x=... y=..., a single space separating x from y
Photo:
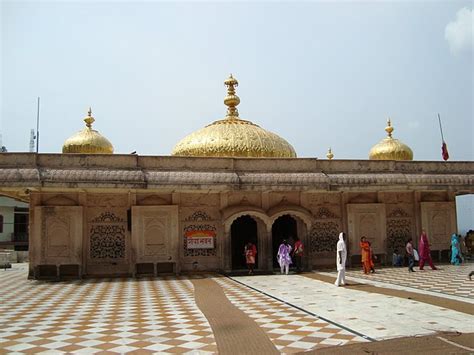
x=250 y=254
x=365 y=249
x=424 y=251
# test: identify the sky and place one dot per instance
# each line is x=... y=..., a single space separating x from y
x=319 y=73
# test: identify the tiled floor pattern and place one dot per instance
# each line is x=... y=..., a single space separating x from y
x=450 y=279
x=372 y=314
x=115 y=316
x=290 y=329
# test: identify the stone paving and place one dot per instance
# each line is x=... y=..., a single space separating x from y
x=160 y=315
x=449 y=280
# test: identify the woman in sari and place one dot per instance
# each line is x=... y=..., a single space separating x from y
x=366 y=255
x=424 y=251
x=283 y=256
x=455 y=250
x=250 y=254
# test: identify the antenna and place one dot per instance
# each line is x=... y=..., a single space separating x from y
x=32 y=140
x=37 y=126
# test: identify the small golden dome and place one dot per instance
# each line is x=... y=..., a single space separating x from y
x=390 y=148
x=329 y=154
x=88 y=141
x=234 y=137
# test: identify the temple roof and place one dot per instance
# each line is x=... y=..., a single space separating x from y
x=390 y=148
x=234 y=137
x=88 y=140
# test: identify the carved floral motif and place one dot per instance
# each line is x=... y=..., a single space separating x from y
x=324 y=236
x=398 y=232
x=199 y=216
x=107 y=237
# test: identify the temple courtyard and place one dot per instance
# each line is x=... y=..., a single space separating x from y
x=210 y=313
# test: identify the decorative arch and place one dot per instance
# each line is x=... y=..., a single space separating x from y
x=232 y=213
x=296 y=211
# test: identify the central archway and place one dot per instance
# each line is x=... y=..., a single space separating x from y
x=243 y=230
x=284 y=227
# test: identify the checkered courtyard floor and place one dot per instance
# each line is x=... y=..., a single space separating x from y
x=450 y=279
x=155 y=315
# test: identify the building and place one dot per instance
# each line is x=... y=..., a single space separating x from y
x=95 y=213
x=13 y=224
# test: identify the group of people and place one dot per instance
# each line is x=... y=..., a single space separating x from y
x=286 y=256
x=423 y=256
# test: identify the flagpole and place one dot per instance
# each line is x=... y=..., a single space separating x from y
x=37 y=126
x=440 y=128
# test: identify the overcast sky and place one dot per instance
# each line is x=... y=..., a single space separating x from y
x=317 y=73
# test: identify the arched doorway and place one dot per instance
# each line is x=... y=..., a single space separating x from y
x=243 y=230
x=284 y=227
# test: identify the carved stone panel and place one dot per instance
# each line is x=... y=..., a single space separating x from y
x=244 y=199
x=107 y=200
x=324 y=235
x=60 y=234
x=155 y=233
x=200 y=199
x=438 y=219
x=199 y=221
x=367 y=220
x=108 y=245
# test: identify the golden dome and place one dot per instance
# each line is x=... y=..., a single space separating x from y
x=390 y=148
x=329 y=154
x=234 y=137
x=88 y=141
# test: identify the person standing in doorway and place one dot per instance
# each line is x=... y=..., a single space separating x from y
x=250 y=252
x=298 y=254
x=425 y=255
x=341 y=256
x=410 y=254
x=283 y=256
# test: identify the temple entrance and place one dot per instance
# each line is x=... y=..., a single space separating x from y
x=243 y=230
x=284 y=227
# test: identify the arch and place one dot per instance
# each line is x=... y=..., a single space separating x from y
x=230 y=214
x=293 y=210
x=243 y=229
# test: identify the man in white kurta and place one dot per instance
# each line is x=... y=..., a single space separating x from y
x=341 y=256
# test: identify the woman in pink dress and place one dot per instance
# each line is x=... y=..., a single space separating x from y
x=424 y=251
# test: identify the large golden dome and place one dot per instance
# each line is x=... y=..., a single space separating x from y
x=88 y=141
x=390 y=148
x=234 y=137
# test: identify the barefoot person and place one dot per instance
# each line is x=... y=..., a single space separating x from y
x=425 y=255
x=250 y=254
x=341 y=256
x=284 y=258
x=365 y=253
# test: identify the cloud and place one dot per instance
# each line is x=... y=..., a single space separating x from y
x=458 y=33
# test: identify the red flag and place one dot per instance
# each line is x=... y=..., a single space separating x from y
x=444 y=150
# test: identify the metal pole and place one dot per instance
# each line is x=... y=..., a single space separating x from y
x=37 y=126
x=440 y=128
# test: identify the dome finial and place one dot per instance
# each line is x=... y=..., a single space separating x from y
x=231 y=100
x=89 y=120
x=389 y=128
x=329 y=155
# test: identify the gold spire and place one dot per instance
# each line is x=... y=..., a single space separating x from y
x=88 y=141
x=231 y=100
x=329 y=155
x=89 y=120
x=233 y=136
x=390 y=148
x=389 y=128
